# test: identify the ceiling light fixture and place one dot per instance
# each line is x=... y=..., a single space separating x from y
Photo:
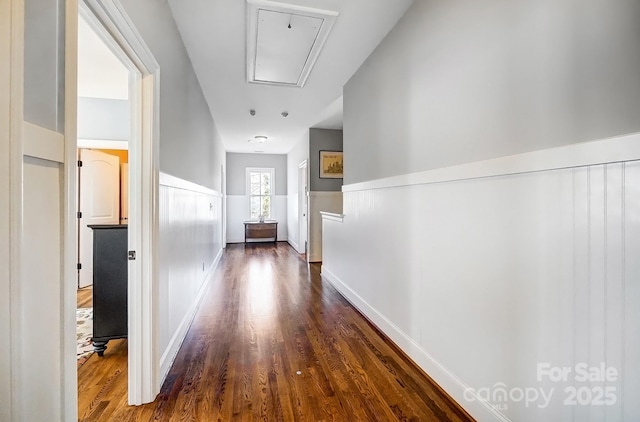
x=284 y=113
x=260 y=139
x=252 y=112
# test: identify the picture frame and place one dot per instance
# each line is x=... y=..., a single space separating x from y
x=331 y=165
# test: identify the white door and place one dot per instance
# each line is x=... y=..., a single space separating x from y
x=99 y=191
x=302 y=206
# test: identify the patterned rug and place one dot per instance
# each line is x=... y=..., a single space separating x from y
x=84 y=331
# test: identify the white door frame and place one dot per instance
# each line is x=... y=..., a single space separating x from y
x=11 y=151
x=110 y=21
x=303 y=211
x=223 y=190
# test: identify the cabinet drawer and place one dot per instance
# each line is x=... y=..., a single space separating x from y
x=255 y=232
x=261 y=226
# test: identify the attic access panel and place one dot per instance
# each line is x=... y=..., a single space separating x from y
x=284 y=41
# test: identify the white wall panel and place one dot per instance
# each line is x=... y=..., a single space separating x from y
x=631 y=282
x=480 y=280
x=238 y=213
x=40 y=309
x=190 y=247
x=5 y=210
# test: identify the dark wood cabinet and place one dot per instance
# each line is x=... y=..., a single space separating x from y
x=260 y=230
x=110 y=284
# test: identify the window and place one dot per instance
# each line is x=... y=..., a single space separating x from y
x=259 y=188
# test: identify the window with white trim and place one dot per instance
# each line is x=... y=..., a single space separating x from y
x=260 y=185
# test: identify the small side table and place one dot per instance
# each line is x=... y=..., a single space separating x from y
x=261 y=230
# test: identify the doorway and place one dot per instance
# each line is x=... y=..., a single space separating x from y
x=303 y=202
x=109 y=21
x=103 y=133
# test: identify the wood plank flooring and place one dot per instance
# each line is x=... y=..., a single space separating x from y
x=272 y=342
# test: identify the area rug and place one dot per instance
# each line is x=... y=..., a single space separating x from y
x=84 y=331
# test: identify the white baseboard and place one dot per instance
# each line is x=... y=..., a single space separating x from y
x=170 y=353
x=453 y=385
x=293 y=244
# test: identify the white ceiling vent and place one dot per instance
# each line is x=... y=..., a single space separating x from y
x=284 y=41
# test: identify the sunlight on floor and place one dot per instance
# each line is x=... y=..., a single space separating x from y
x=260 y=288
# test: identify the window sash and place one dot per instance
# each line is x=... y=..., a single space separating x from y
x=260 y=183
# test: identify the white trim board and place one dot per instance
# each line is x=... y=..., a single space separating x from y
x=43 y=143
x=175 y=182
x=611 y=150
x=293 y=244
x=332 y=216
x=70 y=222
x=11 y=144
x=103 y=144
x=440 y=374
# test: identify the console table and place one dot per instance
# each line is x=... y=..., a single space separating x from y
x=110 y=283
x=260 y=230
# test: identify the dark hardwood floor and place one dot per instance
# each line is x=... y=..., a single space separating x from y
x=272 y=342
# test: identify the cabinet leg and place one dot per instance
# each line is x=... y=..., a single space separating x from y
x=99 y=347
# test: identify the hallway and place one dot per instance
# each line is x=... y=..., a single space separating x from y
x=272 y=341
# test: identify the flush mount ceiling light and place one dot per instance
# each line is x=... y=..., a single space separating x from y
x=260 y=139
x=284 y=41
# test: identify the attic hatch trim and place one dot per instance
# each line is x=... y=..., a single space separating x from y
x=254 y=6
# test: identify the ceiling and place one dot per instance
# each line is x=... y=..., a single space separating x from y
x=100 y=73
x=215 y=35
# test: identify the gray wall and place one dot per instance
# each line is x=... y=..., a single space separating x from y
x=323 y=139
x=237 y=164
x=102 y=118
x=44 y=64
x=190 y=146
x=461 y=81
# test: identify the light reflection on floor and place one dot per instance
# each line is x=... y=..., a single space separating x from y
x=260 y=288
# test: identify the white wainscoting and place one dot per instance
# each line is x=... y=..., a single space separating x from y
x=238 y=213
x=481 y=279
x=319 y=202
x=190 y=249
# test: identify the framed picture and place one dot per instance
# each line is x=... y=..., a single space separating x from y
x=331 y=165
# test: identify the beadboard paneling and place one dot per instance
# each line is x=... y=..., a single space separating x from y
x=190 y=247
x=480 y=280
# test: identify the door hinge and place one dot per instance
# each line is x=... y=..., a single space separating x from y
x=132 y=255
x=79 y=215
x=79 y=266
x=79 y=163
